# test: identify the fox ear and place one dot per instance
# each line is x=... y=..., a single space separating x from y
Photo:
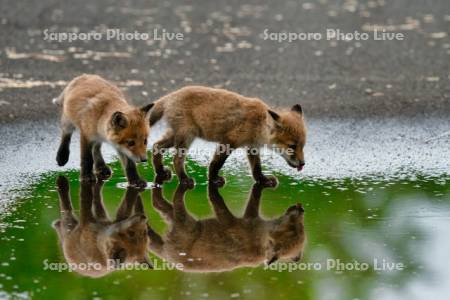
x=147 y=107
x=274 y=115
x=56 y=224
x=298 y=257
x=146 y=261
x=272 y=260
x=119 y=120
x=297 y=108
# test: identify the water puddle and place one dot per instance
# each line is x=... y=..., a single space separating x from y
x=365 y=238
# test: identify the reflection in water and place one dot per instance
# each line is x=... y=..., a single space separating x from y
x=356 y=219
x=226 y=242
x=93 y=242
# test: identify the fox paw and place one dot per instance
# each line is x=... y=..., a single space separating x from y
x=138 y=183
x=268 y=181
x=103 y=172
x=218 y=181
x=90 y=177
x=187 y=182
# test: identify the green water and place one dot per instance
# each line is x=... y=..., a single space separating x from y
x=400 y=221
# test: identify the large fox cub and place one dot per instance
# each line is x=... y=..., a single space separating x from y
x=231 y=120
x=99 y=109
x=94 y=240
x=226 y=242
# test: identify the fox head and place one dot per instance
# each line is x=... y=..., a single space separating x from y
x=287 y=236
x=128 y=131
x=126 y=241
x=102 y=248
x=289 y=135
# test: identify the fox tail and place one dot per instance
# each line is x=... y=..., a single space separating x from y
x=58 y=100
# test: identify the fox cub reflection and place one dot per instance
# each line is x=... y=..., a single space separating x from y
x=96 y=240
x=99 y=109
x=226 y=242
x=232 y=121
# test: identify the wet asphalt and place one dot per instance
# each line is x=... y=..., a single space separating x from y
x=374 y=107
x=223 y=45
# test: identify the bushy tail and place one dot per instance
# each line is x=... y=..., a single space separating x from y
x=59 y=100
x=157 y=112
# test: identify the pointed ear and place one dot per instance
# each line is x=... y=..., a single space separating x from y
x=119 y=120
x=56 y=224
x=297 y=108
x=274 y=115
x=298 y=257
x=145 y=109
x=272 y=260
x=146 y=261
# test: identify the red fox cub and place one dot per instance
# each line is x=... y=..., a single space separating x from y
x=94 y=240
x=231 y=120
x=99 y=109
x=226 y=242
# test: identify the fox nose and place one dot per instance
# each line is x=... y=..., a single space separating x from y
x=143 y=159
x=301 y=164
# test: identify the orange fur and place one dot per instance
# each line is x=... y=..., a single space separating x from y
x=99 y=109
x=96 y=240
x=226 y=242
x=230 y=119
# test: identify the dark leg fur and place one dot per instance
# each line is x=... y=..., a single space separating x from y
x=252 y=209
x=67 y=221
x=62 y=156
x=131 y=172
x=87 y=161
x=178 y=162
x=255 y=165
x=223 y=214
x=220 y=156
x=162 y=173
x=101 y=169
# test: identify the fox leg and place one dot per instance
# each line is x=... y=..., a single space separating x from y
x=162 y=173
x=87 y=161
x=101 y=169
x=67 y=129
x=252 y=209
x=68 y=221
x=97 y=201
x=139 y=205
x=161 y=205
x=220 y=156
x=181 y=147
x=223 y=214
x=131 y=172
x=127 y=204
x=156 y=244
x=86 y=200
x=255 y=165
x=180 y=214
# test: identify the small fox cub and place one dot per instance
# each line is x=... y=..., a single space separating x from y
x=99 y=109
x=94 y=238
x=231 y=120
x=226 y=242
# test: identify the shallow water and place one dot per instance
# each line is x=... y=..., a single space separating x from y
x=403 y=221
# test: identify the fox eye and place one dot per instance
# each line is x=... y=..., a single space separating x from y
x=131 y=143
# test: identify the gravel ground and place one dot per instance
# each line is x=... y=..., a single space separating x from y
x=223 y=45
